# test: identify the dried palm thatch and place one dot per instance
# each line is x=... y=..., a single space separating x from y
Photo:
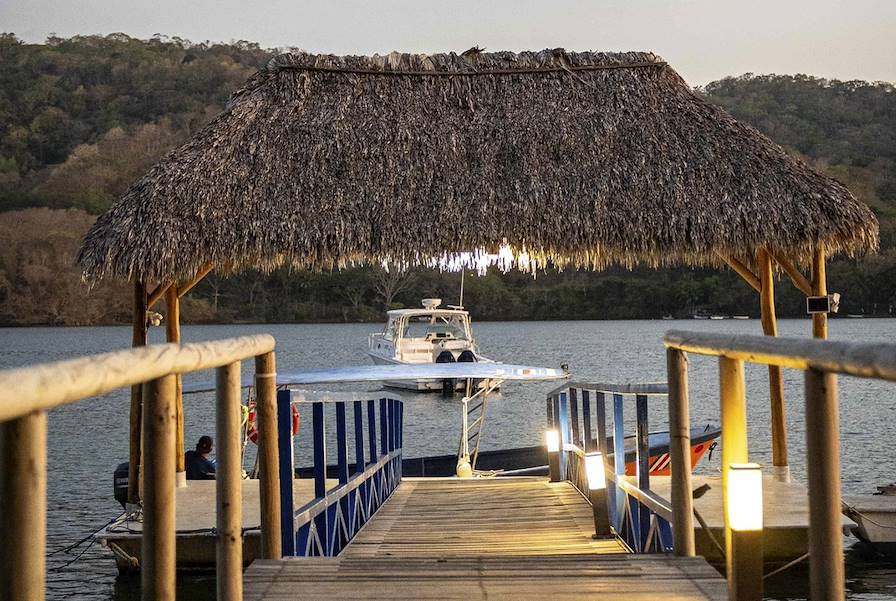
x=581 y=159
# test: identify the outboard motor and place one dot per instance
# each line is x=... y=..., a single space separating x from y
x=448 y=384
x=120 y=483
x=467 y=356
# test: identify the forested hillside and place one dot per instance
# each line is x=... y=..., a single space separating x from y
x=80 y=118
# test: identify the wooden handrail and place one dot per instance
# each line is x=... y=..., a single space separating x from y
x=821 y=360
x=648 y=389
x=864 y=360
x=43 y=387
x=27 y=393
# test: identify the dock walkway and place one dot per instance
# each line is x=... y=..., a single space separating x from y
x=514 y=538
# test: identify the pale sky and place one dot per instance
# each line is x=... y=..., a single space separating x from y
x=703 y=40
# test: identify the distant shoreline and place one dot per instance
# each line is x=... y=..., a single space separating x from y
x=290 y=323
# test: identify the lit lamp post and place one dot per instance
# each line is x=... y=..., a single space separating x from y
x=744 y=513
x=552 y=440
x=597 y=494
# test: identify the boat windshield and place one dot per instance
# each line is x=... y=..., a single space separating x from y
x=452 y=327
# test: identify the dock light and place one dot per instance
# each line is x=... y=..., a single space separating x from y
x=597 y=493
x=745 y=496
x=743 y=505
x=594 y=469
x=552 y=440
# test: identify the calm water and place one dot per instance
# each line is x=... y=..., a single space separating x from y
x=88 y=439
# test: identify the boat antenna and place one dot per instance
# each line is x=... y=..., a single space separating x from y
x=461 y=303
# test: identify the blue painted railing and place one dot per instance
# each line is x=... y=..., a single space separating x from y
x=325 y=525
x=578 y=411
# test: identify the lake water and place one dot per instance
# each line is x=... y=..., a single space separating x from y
x=88 y=439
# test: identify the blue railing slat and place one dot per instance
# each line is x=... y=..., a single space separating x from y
x=586 y=421
x=371 y=429
x=384 y=428
x=286 y=471
x=563 y=416
x=574 y=431
x=618 y=454
x=643 y=464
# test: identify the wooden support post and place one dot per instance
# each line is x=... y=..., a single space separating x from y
x=775 y=377
x=138 y=338
x=158 y=545
x=172 y=334
x=228 y=483
x=744 y=272
x=734 y=437
x=157 y=293
x=796 y=277
x=23 y=507
x=680 y=454
x=826 y=572
x=819 y=288
x=182 y=290
x=268 y=455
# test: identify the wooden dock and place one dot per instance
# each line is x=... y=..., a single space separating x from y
x=515 y=538
x=195 y=524
x=785 y=515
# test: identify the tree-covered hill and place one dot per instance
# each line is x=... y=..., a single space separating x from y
x=82 y=117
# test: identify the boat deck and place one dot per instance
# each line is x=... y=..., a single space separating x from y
x=514 y=538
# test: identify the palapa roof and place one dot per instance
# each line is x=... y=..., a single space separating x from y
x=583 y=159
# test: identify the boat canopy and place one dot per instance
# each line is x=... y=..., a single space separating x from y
x=376 y=373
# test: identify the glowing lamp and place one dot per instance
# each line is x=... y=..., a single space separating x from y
x=552 y=439
x=594 y=470
x=745 y=496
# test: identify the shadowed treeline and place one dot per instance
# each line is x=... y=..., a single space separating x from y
x=81 y=118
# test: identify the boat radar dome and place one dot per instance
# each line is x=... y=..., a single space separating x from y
x=431 y=303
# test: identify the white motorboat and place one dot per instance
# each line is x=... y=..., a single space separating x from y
x=429 y=334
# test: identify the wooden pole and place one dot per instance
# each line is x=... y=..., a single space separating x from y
x=775 y=378
x=158 y=545
x=819 y=288
x=23 y=507
x=826 y=572
x=172 y=334
x=157 y=293
x=229 y=482
x=734 y=438
x=182 y=290
x=138 y=338
x=268 y=455
x=680 y=453
x=744 y=272
x=796 y=277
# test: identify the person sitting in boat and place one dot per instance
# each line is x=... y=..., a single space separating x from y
x=197 y=463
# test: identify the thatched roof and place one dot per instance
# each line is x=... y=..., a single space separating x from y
x=582 y=159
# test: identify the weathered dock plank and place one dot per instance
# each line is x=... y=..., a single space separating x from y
x=785 y=515
x=521 y=538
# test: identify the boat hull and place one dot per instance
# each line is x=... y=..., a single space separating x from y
x=533 y=460
x=422 y=385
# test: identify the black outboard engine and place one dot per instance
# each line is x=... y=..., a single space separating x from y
x=448 y=384
x=467 y=356
x=120 y=484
